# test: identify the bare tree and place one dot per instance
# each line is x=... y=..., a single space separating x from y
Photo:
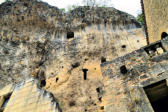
x=94 y=3
x=90 y=2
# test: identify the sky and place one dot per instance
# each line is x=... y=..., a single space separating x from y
x=132 y=7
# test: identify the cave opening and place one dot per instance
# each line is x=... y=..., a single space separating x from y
x=164 y=35
x=123 y=69
x=85 y=73
x=157 y=94
x=70 y=35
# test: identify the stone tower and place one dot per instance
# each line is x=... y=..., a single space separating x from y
x=156 y=16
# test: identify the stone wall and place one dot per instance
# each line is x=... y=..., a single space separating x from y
x=156 y=14
x=126 y=77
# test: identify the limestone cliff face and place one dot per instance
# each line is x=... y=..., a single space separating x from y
x=64 y=50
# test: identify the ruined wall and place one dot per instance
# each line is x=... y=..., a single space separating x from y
x=125 y=79
x=156 y=13
x=34 y=43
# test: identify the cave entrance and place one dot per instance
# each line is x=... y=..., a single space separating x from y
x=85 y=73
x=157 y=94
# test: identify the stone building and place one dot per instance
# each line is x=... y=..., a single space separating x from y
x=156 y=15
x=53 y=61
x=137 y=82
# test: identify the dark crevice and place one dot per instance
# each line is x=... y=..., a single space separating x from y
x=57 y=79
x=99 y=92
x=6 y=100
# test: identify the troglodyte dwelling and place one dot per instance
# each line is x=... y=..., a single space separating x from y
x=91 y=59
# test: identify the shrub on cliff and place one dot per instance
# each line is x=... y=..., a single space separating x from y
x=140 y=19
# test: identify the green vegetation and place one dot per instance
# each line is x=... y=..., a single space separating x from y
x=7 y=0
x=140 y=18
x=71 y=7
x=63 y=9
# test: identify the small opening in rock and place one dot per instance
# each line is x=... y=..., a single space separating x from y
x=6 y=100
x=158 y=95
x=43 y=83
x=123 y=69
x=72 y=103
x=100 y=99
x=164 y=35
x=57 y=79
x=84 y=73
x=123 y=46
x=103 y=59
x=98 y=90
x=102 y=107
x=75 y=65
x=70 y=35
x=86 y=59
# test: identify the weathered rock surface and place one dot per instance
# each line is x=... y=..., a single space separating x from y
x=34 y=43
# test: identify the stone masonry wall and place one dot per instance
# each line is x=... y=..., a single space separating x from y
x=123 y=90
x=156 y=13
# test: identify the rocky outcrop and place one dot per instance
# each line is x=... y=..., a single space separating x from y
x=64 y=50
